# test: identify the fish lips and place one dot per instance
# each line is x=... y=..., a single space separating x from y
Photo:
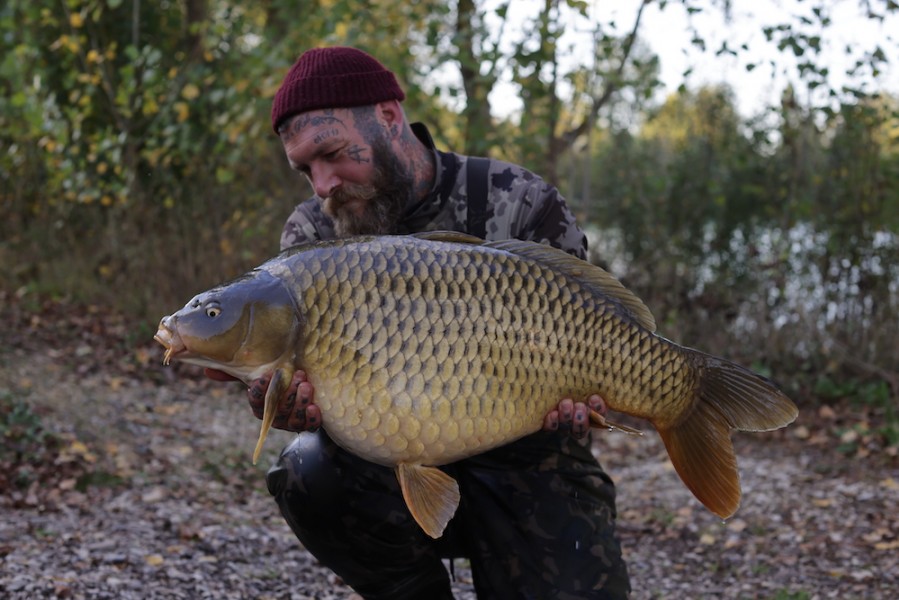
x=170 y=339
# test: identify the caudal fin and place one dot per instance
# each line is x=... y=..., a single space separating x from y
x=730 y=397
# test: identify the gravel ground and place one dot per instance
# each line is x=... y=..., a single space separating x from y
x=151 y=494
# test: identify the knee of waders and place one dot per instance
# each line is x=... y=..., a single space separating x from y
x=305 y=470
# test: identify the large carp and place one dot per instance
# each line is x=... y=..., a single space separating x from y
x=427 y=349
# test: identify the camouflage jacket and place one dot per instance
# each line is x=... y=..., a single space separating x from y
x=520 y=205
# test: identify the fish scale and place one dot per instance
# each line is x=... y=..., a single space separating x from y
x=427 y=349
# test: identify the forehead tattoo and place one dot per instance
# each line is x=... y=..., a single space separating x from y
x=307 y=120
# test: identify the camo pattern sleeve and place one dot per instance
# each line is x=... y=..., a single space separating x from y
x=526 y=207
x=307 y=223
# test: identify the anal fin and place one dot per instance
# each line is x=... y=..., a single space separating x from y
x=599 y=421
x=431 y=495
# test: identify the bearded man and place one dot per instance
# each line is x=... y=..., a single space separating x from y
x=536 y=518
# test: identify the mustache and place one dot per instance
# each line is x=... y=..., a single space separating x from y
x=349 y=192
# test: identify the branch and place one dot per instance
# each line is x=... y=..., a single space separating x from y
x=612 y=84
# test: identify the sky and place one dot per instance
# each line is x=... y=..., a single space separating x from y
x=667 y=33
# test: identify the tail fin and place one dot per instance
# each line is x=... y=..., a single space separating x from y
x=729 y=397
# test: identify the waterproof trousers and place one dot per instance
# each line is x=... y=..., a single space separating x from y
x=536 y=520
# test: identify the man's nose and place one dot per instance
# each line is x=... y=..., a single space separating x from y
x=324 y=180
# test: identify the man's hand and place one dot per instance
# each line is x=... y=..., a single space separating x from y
x=575 y=415
x=296 y=412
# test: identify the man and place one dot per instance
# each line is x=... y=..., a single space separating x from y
x=536 y=517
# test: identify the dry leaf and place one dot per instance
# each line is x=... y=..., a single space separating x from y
x=154 y=560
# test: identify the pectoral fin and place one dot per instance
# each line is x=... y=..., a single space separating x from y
x=597 y=420
x=276 y=387
x=431 y=495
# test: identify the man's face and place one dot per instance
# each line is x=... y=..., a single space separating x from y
x=347 y=157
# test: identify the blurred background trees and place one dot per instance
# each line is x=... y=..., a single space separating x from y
x=137 y=163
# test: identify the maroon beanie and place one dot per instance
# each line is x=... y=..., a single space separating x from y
x=336 y=77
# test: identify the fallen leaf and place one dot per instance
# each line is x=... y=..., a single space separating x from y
x=826 y=412
x=155 y=494
x=849 y=436
x=154 y=560
x=894 y=545
x=737 y=525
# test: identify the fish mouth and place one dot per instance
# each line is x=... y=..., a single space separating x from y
x=170 y=339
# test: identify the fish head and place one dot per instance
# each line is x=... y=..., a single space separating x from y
x=245 y=328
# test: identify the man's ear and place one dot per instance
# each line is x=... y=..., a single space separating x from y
x=390 y=115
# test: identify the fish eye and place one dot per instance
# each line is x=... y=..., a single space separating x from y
x=213 y=311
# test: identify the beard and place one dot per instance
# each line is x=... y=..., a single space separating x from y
x=382 y=202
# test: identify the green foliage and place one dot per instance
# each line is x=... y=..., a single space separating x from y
x=20 y=428
x=24 y=443
x=872 y=395
x=137 y=164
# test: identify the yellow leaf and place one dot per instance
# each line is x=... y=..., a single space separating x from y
x=93 y=56
x=183 y=111
x=79 y=449
x=190 y=91
x=890 y=483
x=154 y=560
x=887 y=545
x=76 y=20
x=150 y=107
x=102 y=167
x=169 y=409
x=737 y=525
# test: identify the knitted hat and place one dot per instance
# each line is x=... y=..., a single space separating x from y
x=336 y=77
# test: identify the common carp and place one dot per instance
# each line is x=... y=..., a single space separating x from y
x=427 y=349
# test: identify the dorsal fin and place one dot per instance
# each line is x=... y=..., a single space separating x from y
x=448 y=236
x=588 y=274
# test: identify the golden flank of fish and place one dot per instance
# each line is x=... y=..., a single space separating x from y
x=427 y=349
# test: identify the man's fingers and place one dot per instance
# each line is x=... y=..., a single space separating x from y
x=296 y=409
x=598 y=404
x=566 y=411
x=305 y=419
x=313 y=418
x=551 y=421
x=257 y=390
x=575 y=416
x=580 y=423
x=305 y=393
